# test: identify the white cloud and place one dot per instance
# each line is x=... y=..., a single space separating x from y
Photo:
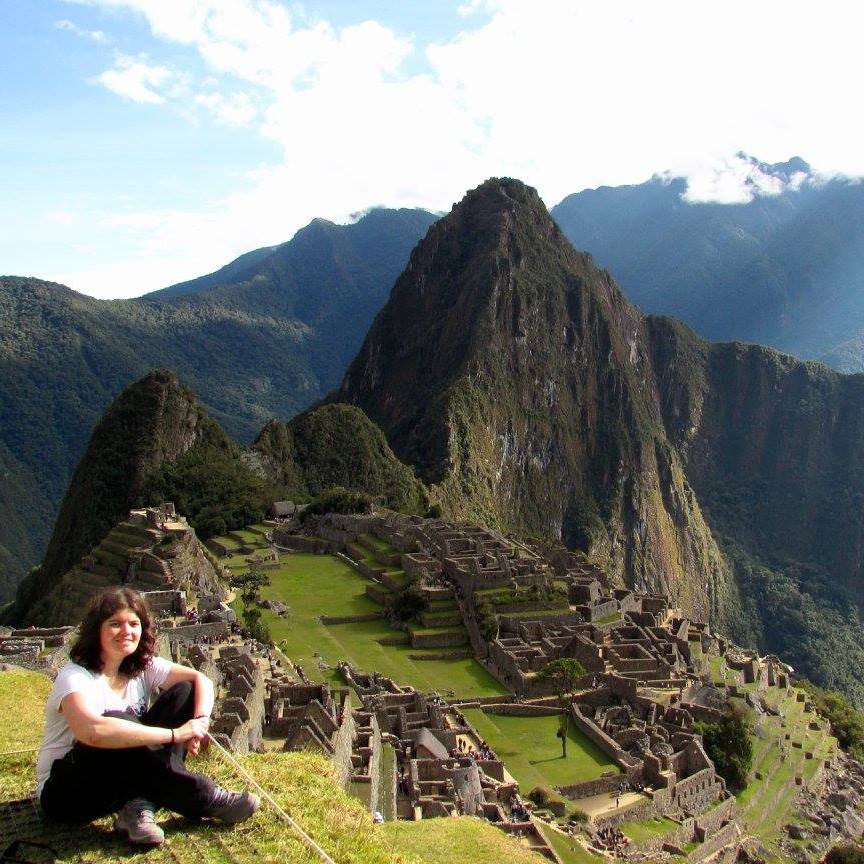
x=735 y=180
x=563 y=95
x=234 y=110
x=94 y=35
x=472 y=7
x=133 y=78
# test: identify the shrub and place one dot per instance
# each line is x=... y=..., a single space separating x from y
x=577 y=814
x=540 y=795
x=409 y=603
x=212 y=488
x=847 y=723
x=845 y=853
x=729 y=747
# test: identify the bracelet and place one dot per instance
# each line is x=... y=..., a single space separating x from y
x=172 y=736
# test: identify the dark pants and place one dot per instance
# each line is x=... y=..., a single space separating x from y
x=89 y=782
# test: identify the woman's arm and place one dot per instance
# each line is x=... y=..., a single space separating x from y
x=204 y=695
x=114 y=733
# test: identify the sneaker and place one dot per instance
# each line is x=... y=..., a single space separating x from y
x=137 y=822
x=231 y=807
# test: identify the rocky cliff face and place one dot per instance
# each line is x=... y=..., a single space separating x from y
x=513 y=375
x=153 y=422
x=774 y=448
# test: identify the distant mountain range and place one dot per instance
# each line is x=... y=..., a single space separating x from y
x=265 y=345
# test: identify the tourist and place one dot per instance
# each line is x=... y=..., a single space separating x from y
x=105 y=751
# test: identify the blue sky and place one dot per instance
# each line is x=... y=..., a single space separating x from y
x=143 y=142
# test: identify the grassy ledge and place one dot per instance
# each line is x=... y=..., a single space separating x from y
x=302 y=784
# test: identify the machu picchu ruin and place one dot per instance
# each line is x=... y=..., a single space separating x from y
x=469 y=604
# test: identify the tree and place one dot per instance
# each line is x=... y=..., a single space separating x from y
x=564 y=674
x=409 y=603
x=249 y=585
x=729 y=747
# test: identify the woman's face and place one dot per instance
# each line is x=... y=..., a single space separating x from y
x=119 y=635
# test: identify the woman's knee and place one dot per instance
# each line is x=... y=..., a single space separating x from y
x=181 y=691
x=173 y=706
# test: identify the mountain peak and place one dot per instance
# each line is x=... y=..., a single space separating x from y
x=153 y=421
x=508 y=370
x=784 y=171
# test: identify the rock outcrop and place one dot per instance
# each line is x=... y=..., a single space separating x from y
x=335 y=445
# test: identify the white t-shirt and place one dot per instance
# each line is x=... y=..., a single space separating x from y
x=58 y=739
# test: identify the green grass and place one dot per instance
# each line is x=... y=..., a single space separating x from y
x=532 y=753
x=378 y=543
x=252 y=538
x=765 y=804
x=718 y=669
x=457 y=839
x=648 y=829
x=316 y=585
x=570 y=851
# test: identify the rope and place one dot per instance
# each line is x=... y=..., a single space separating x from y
x=19 y=752
x=270 y=800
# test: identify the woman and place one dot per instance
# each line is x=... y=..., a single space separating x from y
x=106 y=749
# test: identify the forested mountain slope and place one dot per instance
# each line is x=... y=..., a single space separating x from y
x=265 y=346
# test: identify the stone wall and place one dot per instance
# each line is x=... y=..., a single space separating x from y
x=343 y=741
x=376 y=745
x=697 y=792
x=243 y=729
x=196 y=632
x=724 y=836
x=712 y=819
x=438 y=640
x=586 y=789
x=166 y=602
x=600 y=738
x=636 y=811
x=517 y=709
x=511 y=625
x=301 y=543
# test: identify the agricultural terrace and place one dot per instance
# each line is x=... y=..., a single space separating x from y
x=788 y=750
x=532 y=753
x=316 y=586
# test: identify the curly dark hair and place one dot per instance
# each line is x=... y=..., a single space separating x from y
x=87 y=650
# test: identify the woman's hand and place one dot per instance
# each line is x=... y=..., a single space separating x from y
x=192 y=733
x=194 y=746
